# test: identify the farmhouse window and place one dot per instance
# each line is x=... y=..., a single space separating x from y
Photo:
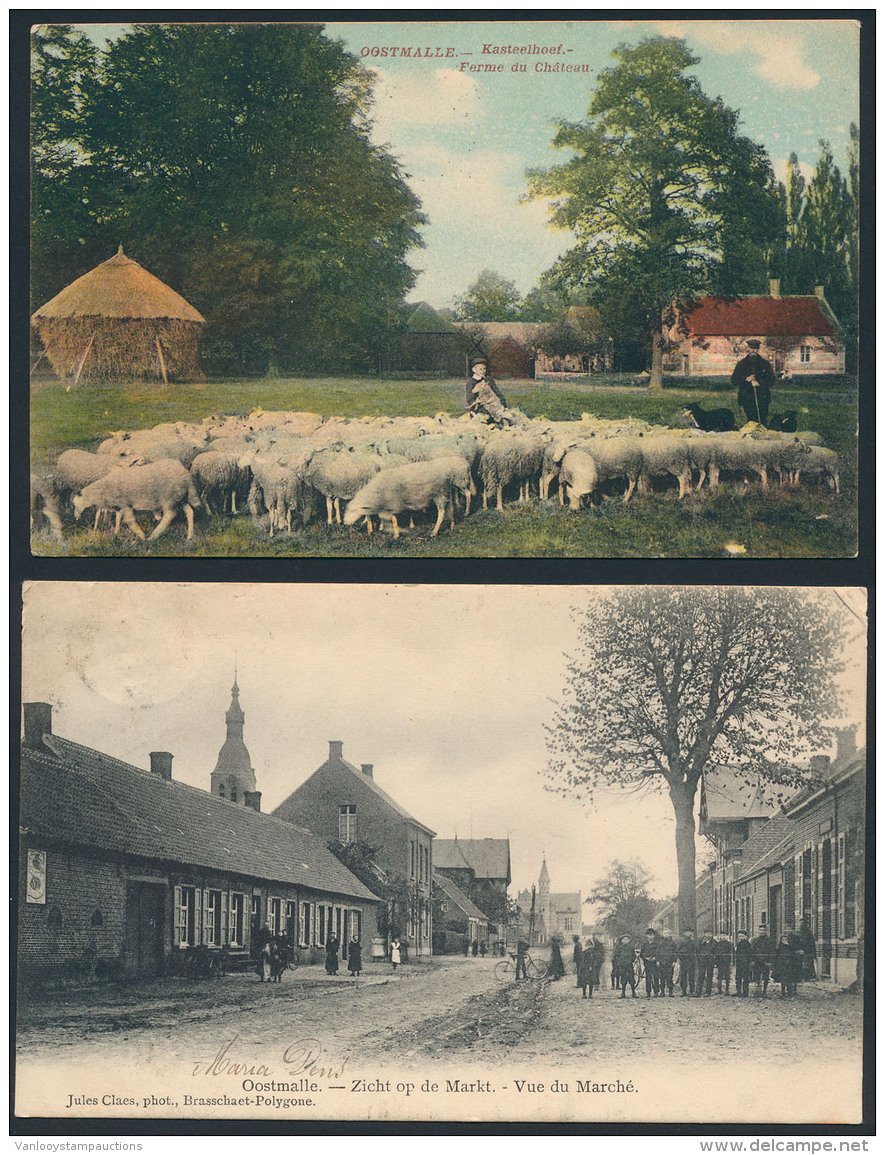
x=274 y=920
x=237 y=910
x=321 y=925
x=569 y=922
x=306 y=923
x=213 y=906
x=291 y=920
x=804 y=354
x=347 y=823
x=187 y=909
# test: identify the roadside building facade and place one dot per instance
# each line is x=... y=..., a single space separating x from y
x=339 y=802
x=123 y=869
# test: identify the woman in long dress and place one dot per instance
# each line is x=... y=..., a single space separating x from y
x=394 y=953
x=332 y=956
x=556 y=969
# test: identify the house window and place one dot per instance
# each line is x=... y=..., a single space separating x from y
x=255 y=918
x=306 y=923
x=291 y=918
x=185 y=915
x=804 y=354
x=233 y=794
x=347 y=823
x=274 y=909
x=213 y=918
x=237 y=910
x=569 y=923
x=321 y=926
x=221 y=793
x=412 y=857
x=840 y=886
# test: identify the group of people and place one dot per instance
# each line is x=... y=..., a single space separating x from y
x=661 y=963
x=274 y=950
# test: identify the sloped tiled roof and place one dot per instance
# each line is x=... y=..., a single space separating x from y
x=760 y=317
x=84 y=798
x=566 y=901
x=486 y=857
x=457 y=895
x=727 y=797
x=368 y=782
x=524 y=333
x=759 y=846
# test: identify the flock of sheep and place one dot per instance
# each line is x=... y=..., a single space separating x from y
x=283 y=467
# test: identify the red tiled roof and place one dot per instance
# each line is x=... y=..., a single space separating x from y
x=84 y=798
x=760 y=317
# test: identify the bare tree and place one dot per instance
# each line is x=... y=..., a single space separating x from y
x=668 y=682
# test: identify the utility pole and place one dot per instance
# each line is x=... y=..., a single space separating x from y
x=532 y=920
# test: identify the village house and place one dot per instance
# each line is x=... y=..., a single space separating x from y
x=461 y=920
x=779 y=866
x=339 y=802
x=799 y=335
x=480 y=867
x=125 y=870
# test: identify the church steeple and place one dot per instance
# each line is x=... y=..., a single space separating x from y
x=233 y=777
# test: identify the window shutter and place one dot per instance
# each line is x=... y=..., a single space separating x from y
x=231 y=921
x=177 y=936
x=223 y=936
x=198 y=914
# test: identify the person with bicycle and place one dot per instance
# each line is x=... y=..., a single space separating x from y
x=522 y=952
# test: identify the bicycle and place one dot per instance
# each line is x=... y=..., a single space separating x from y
x=506 y=970
x=289 y=958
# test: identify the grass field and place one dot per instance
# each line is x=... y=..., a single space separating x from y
x=811 y=522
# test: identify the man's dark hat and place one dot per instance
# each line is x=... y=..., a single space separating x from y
x=754 y=344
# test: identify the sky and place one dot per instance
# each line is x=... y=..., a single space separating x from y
x=444 y=689
x=466 y=138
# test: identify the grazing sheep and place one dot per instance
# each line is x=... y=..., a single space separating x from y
x=161 y=487
x=616 y=458
x=710 y=420
x=46 y=499
x=666 y=455
x=338 y=475
x=409 y=487
x=823 y=463
x=510 y=456
x=218 y=477
x=278 y=490
x=577 y=477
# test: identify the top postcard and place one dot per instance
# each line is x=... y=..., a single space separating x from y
x=415 y=289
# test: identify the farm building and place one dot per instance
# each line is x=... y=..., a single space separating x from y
x=123 y=869
x=510 y=347
x=800 y=336
x=429 y=344
x=459 y=913
x=119 y=323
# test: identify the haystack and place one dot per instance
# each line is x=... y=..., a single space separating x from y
x=117 y=323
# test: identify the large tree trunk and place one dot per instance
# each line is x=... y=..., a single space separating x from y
x=683 y=807
x=656 y=381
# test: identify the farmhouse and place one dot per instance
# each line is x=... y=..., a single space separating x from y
x=799 y=335
x=481 y=868
x=458 y=911
x=343 y=803
x=119 y=322
x=124 y=869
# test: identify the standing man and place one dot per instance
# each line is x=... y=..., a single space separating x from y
x=522 y=950
x=706 y=962
x=667 y=954
x=577 y=952
x=649 y=954
x=724 y=956
x=688 y=963
x=763 y=955
x=743 y=963
x=753 y=376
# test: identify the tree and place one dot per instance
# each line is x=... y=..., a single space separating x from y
x=622 y=898
x=670 y=682
x=667 y=200
x=235 y=162
x=490 y=298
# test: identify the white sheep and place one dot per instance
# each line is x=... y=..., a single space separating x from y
x=162 y=487
x=339 y=474
x=616 y=458
x=666 y=455
x=577 y=477
x=218 y=476
x=410 y=487
x=507 y=457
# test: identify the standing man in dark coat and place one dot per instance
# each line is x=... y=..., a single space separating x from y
x=743 y=964
x=592 y=958
x=805 y=943
x=622 y=965
x=688 y=963
x=724 y=956
x=667 y=955
x=753 y=376
x=577 y=953
x=763 y=956
x=649 y=954
x=706 y=963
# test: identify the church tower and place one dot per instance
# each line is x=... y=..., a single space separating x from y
x=544 y=897
x=233 y=777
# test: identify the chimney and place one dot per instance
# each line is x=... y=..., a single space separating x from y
x=252 y=799
x=336 y=750
x=367 y=768
x=38 y=721
x=846 y=743
x=819 y=762
x=819 y=292
x=161 y=764
x=774 y=290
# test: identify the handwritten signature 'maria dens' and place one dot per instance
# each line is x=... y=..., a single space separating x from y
x=301 y=1057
